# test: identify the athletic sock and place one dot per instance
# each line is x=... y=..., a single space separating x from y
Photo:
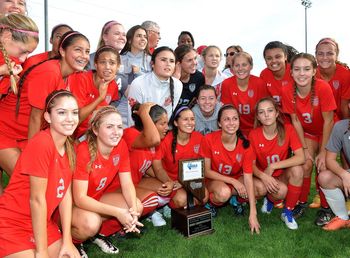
x=293 y=195
x=323 y=200
x=305 y=189
x=110 y=227
x=336 y=201
x=150 y=203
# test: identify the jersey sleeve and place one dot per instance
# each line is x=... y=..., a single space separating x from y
x=295 y=143
x=335 y=143
x=327 y=103
x=287 y=100
x=225 y=91
x=125 y=159
x=248 y=158
x=37 y=156
x=83 y=158
x=205 y=150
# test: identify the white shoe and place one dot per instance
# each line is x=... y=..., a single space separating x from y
x=267 y=206
x=290 y=222
x=105 y=244
x=167 y=212
x=157 y=219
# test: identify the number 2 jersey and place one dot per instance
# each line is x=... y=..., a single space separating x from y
x=269 y=151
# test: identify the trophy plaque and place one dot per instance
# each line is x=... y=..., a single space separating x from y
x=195 y=220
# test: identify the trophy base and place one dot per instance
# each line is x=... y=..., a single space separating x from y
x=194 y=222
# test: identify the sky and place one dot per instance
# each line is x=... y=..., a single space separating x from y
x=248 y=23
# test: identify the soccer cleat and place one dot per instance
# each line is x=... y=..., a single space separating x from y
x=336 y=223
x=81 y=250
x=316 y=202
x=323 y=217
x=238 y=210
x=167 y=212
x=267 y=206
x=287 y=218
x=212 y=209
x=157 y=219
x=105 y=245
x=299 y=210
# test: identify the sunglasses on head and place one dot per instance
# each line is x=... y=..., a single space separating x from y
x=230 y=54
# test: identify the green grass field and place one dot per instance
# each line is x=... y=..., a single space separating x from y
x=232 y=238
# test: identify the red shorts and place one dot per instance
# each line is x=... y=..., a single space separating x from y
x=6 y=143
x=316 y=138
x=14 y=238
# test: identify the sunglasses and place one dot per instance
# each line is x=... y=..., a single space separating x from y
x=230 y=54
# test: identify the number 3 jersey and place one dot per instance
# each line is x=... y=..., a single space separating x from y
x=310 y=114
x=39 y=159
x=269 y=151
x=103 y=175
x=230 y=163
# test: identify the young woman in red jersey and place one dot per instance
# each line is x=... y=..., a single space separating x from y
x=20 y=116
x=95 y=88
x=277 y=73
x=103 y=166
x=311 y=105
x=55 y=38
x=335 y=73
x=243 y=90
x=40 y=185
x=181 y=143
x=151 y=126
x=280 y=173
x=228 y=165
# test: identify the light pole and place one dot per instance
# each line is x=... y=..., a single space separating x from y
x=306 y=4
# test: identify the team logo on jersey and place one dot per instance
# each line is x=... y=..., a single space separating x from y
x=108 y=99
x=250 y=93
x=167 y=101
x=91 y=95
x=261 y=145
x=336 y=85
x=284 y=83
x=196 y=148
x=216 y=152
x=316 y=101
x=192 y=87
x=239 y=157
x=98 y=166
x=116 y=160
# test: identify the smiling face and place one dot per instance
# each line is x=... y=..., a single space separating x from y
x=207 y=101
x=16 y=48
x=185 y=122
x=326 y=55
x=115 y=37
x=63 y=117
x=110 y=131
x=107 y=65
x=229 y=121
x=212 y=57
x=241 y=66
x=12 y=6
x=76 y=55
x=303 y=72
x=164 y=65
x=275 y=59
x=189 y=62
x=266 y=113
x=139 y=40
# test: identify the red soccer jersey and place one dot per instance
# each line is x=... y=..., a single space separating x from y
x=310 y=117
x=274 y=86
x=269 y=151
x=40 y=159
x=229 y=163
x=40 y=82
x=188 y=151
x=5 y=83
x=33 y=60
x=141 y=159
x=340 y=84
x=82 y=86
x=104 y=173
x=244 y=101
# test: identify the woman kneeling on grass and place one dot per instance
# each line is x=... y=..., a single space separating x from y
x=40 y=185
x=228 y=166
x=335 y=182
x=181 y=143
x=280 y=173
x=103 y=160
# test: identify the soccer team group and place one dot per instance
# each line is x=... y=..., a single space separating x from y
x=92 y=142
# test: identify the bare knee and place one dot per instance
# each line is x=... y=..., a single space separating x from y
x=222 y=194
x=180 y=199
x=259 y=189
x=86 y=225
x=296 y=175
x=307 y=168
x=327 y=179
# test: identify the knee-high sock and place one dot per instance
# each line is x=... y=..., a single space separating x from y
x=150 y=203
x=305 y=189
x=292 y=197
x=110 y=227
x=336 y=201
x=323 y=200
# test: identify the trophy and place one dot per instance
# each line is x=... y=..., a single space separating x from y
x=194 y=220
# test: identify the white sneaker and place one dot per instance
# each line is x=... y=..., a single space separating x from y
x=157 y=219
x=105 y=244
x=267 y=206
x=289 y=221
x=167 y=212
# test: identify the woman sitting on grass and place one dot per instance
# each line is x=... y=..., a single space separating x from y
x=280 y=173
x=228 y=166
